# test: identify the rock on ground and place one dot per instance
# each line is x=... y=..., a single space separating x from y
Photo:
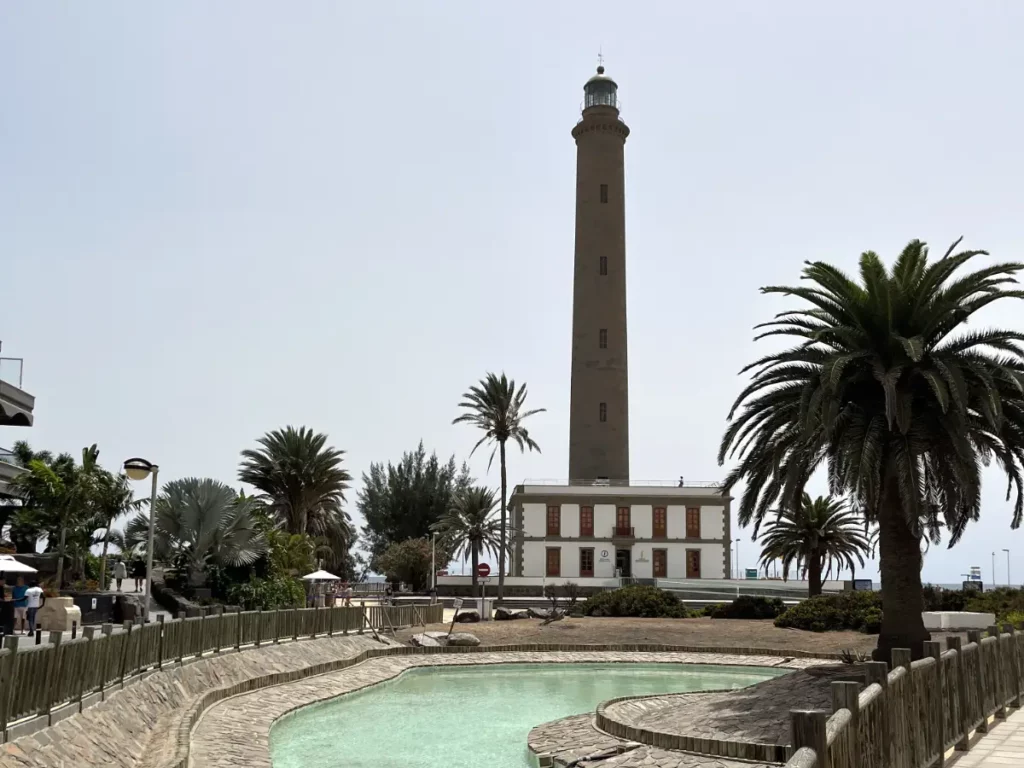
x=467 y=617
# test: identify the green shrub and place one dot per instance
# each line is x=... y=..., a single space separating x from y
x=268 y=594
x=939 y=599
x=749 y=607
x=636 y=600
x=1002 y=602
x=1016 y=618
x=860 y=611
x=709 y=610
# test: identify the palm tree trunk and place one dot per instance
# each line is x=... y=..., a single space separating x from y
x=902 y=596
x=814 y=575
x=103 y=557
x=504 y=512
x=476 y=561
x=60 y=557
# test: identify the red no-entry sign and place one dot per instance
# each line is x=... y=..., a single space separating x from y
x=483 y=570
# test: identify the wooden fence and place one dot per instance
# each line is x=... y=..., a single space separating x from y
x=35 y=680
x=911 y=716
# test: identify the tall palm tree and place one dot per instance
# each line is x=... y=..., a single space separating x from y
x=900 y=408
x=468 y=527
x=200 y=522
x=812 y=536
x=496 y=407
x=303 y=484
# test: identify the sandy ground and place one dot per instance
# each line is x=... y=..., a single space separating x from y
x=719 y=633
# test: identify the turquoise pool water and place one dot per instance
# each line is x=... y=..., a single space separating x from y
x=472 y=717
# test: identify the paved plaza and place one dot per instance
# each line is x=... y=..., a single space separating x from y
x=1002 y=746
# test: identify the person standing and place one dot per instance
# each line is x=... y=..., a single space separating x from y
x=20 y=606
x=138 y=572
x=120 y=573
x=34 y=599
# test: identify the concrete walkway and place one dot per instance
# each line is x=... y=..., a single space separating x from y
x=1002 y=746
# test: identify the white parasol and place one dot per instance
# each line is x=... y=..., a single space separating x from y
x=9 y=565
x=321 y=576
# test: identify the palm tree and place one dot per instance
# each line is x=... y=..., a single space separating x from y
x=496 y=407
x=62 y=492
x=816 y=534
x=900 y=411
x=468 y=527
x=303 y=485
x=198 y=523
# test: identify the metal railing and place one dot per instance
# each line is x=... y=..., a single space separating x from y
x=11 y=369
x=910 y=717
x=8 y=457
x=623 y=532
x=37 y=679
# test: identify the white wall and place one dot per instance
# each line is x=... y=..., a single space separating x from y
x=535 y=559
x=571 y=521
x=676 y=521
x=604 y=519
x=641 y=517
x=712 y=522
x=534 y=519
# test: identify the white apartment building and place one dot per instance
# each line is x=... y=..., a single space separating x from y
x=576 y=531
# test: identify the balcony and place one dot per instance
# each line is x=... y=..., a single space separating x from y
x=16 y=405
x=9 y=469
x=622 y=533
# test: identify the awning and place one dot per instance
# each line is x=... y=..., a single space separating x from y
x=321 y=576
x=13 y=416
x=9 y=565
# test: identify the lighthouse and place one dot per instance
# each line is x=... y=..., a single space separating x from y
x=599 y=390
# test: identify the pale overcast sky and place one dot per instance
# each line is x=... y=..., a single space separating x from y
x=221 y=218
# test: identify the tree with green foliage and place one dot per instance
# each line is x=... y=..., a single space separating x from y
x=497 y=408
x=113 y=497
x=303 y=484
x=812 y=536
x=200 y=523
x=902 y=405
x=59 y=492
x=405 y=500
x=408 y=561
x=469 y=527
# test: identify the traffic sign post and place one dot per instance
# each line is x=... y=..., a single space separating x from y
x=483 y=570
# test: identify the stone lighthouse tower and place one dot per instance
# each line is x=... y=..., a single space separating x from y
x=599 y=395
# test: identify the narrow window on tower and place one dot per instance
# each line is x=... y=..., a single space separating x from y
x=604 y=265
x=602 y=338
x=602 y=412
x=604 y=193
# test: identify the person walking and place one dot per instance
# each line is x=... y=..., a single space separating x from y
x=138 y=573
x=120 y=573
x=34 y=599
x=20 y=605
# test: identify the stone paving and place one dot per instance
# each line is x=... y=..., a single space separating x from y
x=1002 y=746
x=236 y=731
x=575 y=738
x=756 y=714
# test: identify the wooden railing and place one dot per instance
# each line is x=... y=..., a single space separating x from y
x=911 y=716
x=35 y=680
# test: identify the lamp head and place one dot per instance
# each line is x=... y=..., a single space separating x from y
x=138 y=469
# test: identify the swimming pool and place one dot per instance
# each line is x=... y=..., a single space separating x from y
x=473 y=716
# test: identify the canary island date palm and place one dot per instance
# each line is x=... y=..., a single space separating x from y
x=303 y=483
x=498 y=408
x=892 y=396
x=814 y=535
x=469 y=527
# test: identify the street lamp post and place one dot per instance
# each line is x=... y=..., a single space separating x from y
x=738 y=572
x=433 y=568
x=993 y=570
x=140 y=469
x=1007 y=567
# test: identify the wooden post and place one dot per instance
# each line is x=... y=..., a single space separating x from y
x=202 y=635
x=89 y=633
x=956 y=643
x=362 y=620
x=330 y=621
x=52 y=677
x=807 y=729
x=7 y=682
x=999 y=692
x=901 y=657
x=878 y=672
x=277 y=626
x=107 y=630
x=238 y=632
x=847 y=696
x=126 y=636
x=1014 y=665
x=160 y=642
x=218 y=627
x=974 y=636
x=934 y=649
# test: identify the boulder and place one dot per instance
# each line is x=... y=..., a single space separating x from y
x=538 y=613
x=467 y=617
x=463 y=639
x=503 y=614
x=425 y=641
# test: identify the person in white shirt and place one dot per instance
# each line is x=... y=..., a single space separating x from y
x=34 y=599
x=120 y=573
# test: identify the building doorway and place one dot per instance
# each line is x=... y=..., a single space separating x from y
x=622 y=562
x=693 y=563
